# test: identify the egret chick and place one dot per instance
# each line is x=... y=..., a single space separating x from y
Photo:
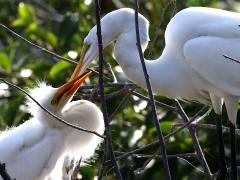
x=35 y=150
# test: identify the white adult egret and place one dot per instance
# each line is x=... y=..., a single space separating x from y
x=191 y=66
x=36 y=149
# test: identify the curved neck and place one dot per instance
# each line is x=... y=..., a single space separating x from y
x=127 y=56
x=168 y=73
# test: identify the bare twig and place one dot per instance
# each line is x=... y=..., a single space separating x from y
x=50 y=113
x=46 y=50
x=226 y=130
x=3 y=172
x=195 y=141
x=196 y=116
x=232 y=59
x=101 y=89
x=154 y=143
x=120 y=105
x=149 y=88
x=170 y=156
x=114 y=85
x=215 y=175
x=158 y=103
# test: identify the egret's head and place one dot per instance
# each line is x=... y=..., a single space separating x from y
x=114 y=25
x=53 y=99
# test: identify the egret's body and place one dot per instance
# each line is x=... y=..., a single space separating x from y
x=36 y=149
x=192 y=65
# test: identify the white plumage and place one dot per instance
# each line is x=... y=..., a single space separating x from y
x=36 y=149
x=191 y=66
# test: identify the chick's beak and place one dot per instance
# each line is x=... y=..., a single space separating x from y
x=66 y=92
x=81 y=64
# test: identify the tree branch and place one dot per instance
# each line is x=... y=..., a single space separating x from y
x=3 y=172
x=46 y=50
x=101 y=89
x=149 y=88
x=50 y=113
x=195 y=141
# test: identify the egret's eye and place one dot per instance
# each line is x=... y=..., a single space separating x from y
x=54 y=101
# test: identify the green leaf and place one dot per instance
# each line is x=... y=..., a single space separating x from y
x=5 y=62
x=58 y=68
x=166 y=126
x=51 y=38
x=26 y=12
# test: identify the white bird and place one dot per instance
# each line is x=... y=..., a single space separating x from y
x=191 y=66
x=35 y=150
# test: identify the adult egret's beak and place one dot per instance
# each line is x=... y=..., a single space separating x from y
x=66 y=92
x=88 y=53
x=79 y=68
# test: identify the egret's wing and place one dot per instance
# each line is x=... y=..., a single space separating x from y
x=12 y=141
x=205 y=56
x=37 y=161
x=30 y=151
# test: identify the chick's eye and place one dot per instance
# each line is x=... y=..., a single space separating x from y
x=54 y=101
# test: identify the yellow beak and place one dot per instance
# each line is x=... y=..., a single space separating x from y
x=79 y=67
x=66 y=92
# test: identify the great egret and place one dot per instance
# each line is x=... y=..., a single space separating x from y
x=191 y=66
x=36 y=149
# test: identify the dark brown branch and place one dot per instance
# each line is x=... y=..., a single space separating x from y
x=3 y=172
x=149 y=88
x=195 y=141
x=154 y=143
x=50 y=113
x=113 y=85
x=170 y=156
x=215 y=175
x=46 y=50
x=232 y=59
x=174 y=132
x=226 y=130
x=101 y=89
x=120 y=105
x=158 y=103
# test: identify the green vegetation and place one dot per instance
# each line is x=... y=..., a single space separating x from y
x=60 y=26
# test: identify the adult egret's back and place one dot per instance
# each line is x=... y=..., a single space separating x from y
x=191 y=66
x=36 y=149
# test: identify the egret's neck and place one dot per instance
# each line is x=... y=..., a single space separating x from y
x=164 y=77
x=127 y=56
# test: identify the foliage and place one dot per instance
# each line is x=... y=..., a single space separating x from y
x=61 y=27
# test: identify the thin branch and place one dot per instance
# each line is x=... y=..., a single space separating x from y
x=101 y=89
x=189 y=122
x=113 y=85
x=3 y=172
x=149 y=88
x=154 y=143
x=215 y=175
x=170 y=156
x=195 y=141
x=116 y=110
x=50 y=113
x=196 y=116
x=226 y=130
x=158 y=103
x=46 y=50
x=191 y=164
x=232 y=59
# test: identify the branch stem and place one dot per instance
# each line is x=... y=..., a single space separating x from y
x=149 y=88
x=103 y=100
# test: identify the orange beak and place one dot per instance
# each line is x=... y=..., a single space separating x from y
x=65 y=93
x=79 y=68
